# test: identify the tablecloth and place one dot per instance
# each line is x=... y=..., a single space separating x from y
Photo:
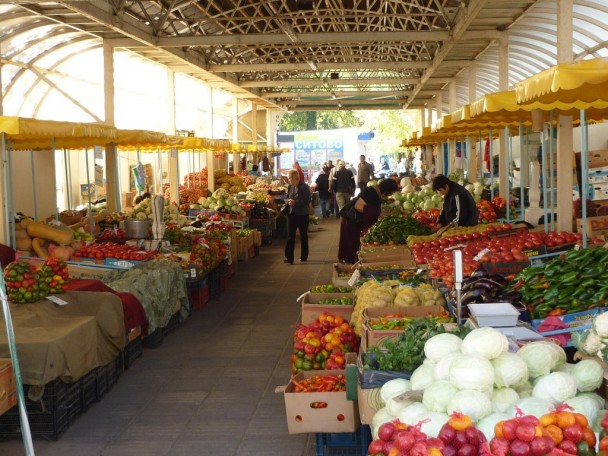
x=66 y=341
x=134 y=313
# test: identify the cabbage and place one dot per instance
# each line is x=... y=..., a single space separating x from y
x=441 y=345
x=393 y=388
x=542 y=357
x=423 y=376
x=380 y=417
x=442 y=368
x=486 y=424
x=523 y=389
x=473 y=403
x=532 y=406
x=394 y=405
x=503 y=399
x=566 y=367
x=412 y=413
x=585 y=405
x=437 y=396
x=432 y=423
x=486 y=341
x=472 y=372
x=509 y=370
x=555 y=387
x=588 y=375
x=599 y=400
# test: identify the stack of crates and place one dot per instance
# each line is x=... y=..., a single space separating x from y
x=353 y=443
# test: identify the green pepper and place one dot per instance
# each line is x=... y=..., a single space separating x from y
x=565 y=293
x=551 y=294
x=568 y=278
x=595 y=270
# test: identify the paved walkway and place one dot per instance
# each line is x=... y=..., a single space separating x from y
x=209 y=389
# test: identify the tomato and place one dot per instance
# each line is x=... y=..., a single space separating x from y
x=573 y=433
x=589 y=437
x=555 y=433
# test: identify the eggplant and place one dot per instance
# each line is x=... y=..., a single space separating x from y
x=473 y=296
x=510 y=296
x=499 y=279
x=480 y=273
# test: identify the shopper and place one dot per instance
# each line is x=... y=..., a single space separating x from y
x=254 y=171
x=322 y=182
x=369 y=203
x=459 y=207
x=334 y=205
x=298 y=199
x=297 y=167
x=343 y=185
x=365 y=173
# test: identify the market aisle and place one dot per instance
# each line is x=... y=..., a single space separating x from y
x=209 y=389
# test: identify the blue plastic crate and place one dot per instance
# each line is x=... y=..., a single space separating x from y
x=351 y=443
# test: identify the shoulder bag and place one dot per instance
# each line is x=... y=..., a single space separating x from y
x=350 y=213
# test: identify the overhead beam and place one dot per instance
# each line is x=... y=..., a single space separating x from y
x=323 y=66
x=265 y=39
x=103 y=13
x=346 y=102
x=466 y=15
x=330 y=82
x=330 y=95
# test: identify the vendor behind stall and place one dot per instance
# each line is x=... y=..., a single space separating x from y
x=459 y=207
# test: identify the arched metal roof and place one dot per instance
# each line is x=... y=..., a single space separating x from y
x=303 y=54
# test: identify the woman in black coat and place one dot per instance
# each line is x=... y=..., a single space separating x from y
x=459 y=207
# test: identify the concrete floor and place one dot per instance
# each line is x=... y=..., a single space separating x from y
x=209 y=389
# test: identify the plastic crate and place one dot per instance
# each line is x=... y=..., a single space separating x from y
x=214 y=283
x=133 y=350
x=264 y=226
x=172 y=325
x=88 y=391
x=353 y=443
x=154 y=339
x=48 y=418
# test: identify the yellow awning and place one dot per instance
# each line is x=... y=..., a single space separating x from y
x=192 y=143
x=26 y=134
x=146 y=141
x=580 y=85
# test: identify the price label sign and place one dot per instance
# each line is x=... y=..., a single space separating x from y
x=354 y=278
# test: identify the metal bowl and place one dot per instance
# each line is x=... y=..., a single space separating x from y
x=138 y=229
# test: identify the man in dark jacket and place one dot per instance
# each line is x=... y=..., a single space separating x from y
x=343 y=185
x=458 y=204
x=324 y=193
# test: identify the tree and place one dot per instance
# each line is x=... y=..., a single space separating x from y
x=319 y=120
x=390 y=129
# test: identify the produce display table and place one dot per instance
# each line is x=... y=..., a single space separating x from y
x=134 y=313
x=66 y=341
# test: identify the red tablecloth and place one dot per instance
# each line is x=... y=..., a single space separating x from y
x=134 y=312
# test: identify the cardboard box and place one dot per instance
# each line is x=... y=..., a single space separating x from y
x=8 y=394
x=578 y=321
x=600 y=191
x=598 y=158
x=340 y=275
x=376 y=338
x=337 y=415
x=595 y=226
x=311 y=310
x=370 y=402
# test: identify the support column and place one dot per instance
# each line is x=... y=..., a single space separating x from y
x=235 y=132
x=473 y=154
x=503 y=85
x=174 y=176
x=113 y=202
x=565 y=153
x=472 y=83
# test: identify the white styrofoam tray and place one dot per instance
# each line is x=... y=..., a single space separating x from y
x=494 y=314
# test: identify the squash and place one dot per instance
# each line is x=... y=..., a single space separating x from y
x=39 y=248
x=24 y=245
x=58 y=236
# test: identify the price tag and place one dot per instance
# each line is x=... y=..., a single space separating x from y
x=57 y=301
x=192 y=272
x=354 y=278
x=480 y=254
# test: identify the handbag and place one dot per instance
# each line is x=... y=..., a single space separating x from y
x=350 y=213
